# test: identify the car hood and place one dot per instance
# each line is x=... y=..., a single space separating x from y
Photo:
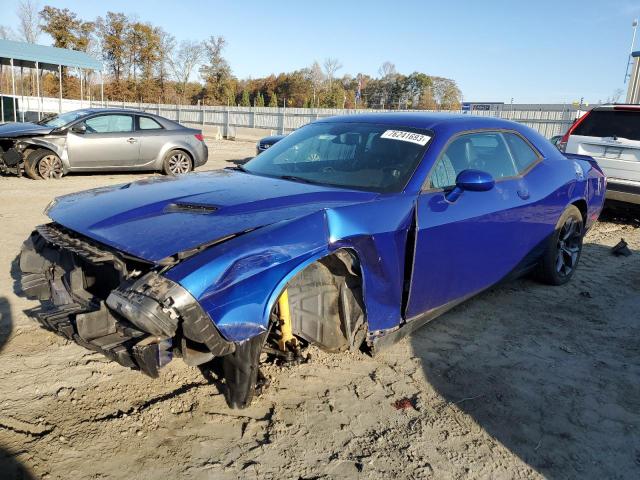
x=272 y=139
x=159 y=217
x=14 y=129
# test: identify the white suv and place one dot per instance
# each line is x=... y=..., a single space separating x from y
x=611 y=135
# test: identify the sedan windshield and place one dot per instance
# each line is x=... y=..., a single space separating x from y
x=364 y=156
x=63 y=119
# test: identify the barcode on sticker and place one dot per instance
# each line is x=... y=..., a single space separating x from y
x=417 y=138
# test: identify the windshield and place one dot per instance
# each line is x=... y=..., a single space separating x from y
x=362 y=156
x=57 y=121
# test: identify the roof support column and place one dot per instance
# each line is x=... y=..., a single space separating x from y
x=13 y=91
x=38 y=90
x=1 y=96
x=22 y=108
x=81 y=89
x=60 y=88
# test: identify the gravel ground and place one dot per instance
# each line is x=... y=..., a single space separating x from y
x=523 y=381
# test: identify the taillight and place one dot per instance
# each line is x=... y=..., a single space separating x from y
x=199 y=136
x=562 y=144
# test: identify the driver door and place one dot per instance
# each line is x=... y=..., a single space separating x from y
x=110 y=141
x=465 y=246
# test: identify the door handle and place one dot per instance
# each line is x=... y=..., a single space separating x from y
x=523 y=194
x=131 y=140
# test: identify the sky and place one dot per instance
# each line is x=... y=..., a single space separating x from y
x=529 y=51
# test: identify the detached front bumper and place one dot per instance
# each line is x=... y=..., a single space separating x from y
x=106 y=303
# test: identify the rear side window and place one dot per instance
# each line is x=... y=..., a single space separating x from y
x=147 y=123
x=523 y=154
x=610 y=123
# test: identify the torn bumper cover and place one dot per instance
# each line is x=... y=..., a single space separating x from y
x=98 y=299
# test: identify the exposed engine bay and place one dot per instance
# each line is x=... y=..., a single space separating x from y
x=124 y=308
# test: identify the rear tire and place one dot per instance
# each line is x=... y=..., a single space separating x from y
x=563 y=251
x=177 y=162
x=43 y=164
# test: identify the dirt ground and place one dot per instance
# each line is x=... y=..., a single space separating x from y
x=524 y=381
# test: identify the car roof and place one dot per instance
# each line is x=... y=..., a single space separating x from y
x=428 y=121
x=114 y=110
x=617 y=106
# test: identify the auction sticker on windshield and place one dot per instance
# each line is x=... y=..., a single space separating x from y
x=406 y=136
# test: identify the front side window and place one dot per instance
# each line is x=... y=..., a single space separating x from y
x=486 y=151
x=109 y=124
x=363 y=156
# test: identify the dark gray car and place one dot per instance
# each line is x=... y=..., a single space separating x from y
x=99 y=139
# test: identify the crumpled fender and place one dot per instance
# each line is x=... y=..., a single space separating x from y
x=238 y=282
x=55 y=143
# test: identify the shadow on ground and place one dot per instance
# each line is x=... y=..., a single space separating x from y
x=10 y=467
x=553 y=380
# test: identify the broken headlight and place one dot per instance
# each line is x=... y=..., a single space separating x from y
x=153 y=303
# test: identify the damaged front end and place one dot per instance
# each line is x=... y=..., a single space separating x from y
x=12 y=155
x=123 y=307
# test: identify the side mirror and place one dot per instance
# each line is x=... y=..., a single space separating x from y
x=79 y=128
x=471 y=180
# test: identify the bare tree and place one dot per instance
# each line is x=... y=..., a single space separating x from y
x=387 y=70
x=316 y=77
x=6 y=33
x=29 y=20
x=183 y=61
x=331 y=66
x=615 y=96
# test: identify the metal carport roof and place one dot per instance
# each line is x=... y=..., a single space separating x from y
x=27 y=54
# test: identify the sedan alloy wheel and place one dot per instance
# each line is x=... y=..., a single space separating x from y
x=179 y=163
x=50 y=166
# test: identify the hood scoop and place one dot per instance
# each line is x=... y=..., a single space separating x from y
x=190 y=207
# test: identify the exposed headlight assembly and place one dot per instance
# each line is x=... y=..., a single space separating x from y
x=159 y=306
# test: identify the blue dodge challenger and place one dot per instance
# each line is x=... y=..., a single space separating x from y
x=347 y=234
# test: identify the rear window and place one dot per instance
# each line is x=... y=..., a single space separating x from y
x=610 y=123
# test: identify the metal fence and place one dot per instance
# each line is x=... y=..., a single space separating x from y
x=548 y=119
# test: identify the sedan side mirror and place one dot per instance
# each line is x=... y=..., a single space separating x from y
x=79 y=128
x=471 y=180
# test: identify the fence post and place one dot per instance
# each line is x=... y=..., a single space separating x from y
x=226 y=123
x=281 y=122
x=253 y=118
x=178 y=112
x=202 y=113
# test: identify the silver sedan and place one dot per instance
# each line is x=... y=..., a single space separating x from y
x=100 y=139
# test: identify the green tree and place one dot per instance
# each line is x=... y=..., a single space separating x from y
x=245 y=101
x=273 y=101
x=220 y=84
x=66 y=29
x=260 y=100
x=112 y=33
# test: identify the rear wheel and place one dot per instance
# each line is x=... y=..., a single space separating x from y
x=564 y=249
x=177 y=162
x=43 y=164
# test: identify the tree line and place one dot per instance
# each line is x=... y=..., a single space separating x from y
x=144 y=63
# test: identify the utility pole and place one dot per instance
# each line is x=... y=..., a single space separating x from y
x=634 y=24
